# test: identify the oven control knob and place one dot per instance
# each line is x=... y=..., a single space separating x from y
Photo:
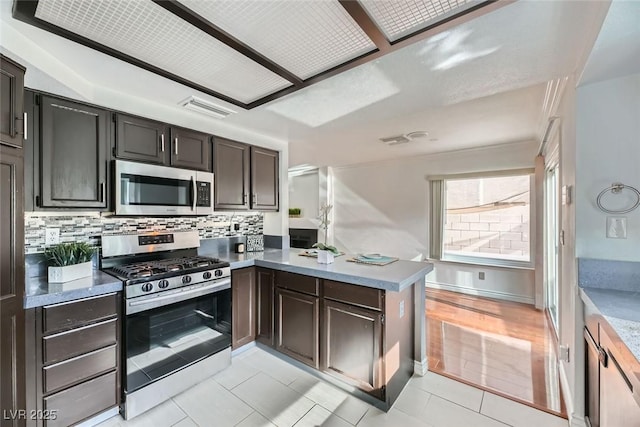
x=147 y=287
x=186 y=279
x=163 y=284
x=218 y=273
x=206 y=275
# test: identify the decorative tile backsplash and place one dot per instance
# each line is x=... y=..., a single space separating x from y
x=91 y=228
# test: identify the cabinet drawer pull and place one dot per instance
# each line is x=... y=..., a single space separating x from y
x=24 y=125
x=162 y=142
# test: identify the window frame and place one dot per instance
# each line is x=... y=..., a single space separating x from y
x=437 y=230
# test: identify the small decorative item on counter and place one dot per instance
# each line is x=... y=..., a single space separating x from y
x=295 y=212
x=69 y=261
x=255 y=243
x=326 y=253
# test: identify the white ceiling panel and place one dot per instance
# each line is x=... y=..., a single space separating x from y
x=148 y=32
x=304 y=37
x=398 y=18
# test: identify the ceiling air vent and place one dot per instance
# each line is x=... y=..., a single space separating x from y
x=200 y=105
x=403 y=139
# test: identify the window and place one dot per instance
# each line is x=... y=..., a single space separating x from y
x=483 y=219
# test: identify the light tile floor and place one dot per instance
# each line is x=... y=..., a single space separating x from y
x=260 y=390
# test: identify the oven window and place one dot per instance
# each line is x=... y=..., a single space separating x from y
x=151 y=190
x=165 y=339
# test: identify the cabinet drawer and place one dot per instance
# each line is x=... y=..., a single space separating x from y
x=79 y=368
x=78 y=341
x=298 y=282
x=354 y=294
x=78 y=313
x=82 y=401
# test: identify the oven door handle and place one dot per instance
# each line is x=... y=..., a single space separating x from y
x=137 y=305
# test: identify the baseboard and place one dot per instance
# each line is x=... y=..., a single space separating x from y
x=574 y=419
x=487 y=293
x=421 y=368
x=240 y=350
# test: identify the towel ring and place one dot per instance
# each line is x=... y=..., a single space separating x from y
x=616 y=188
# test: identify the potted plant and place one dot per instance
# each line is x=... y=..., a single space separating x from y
x=326 y=253
x=69 y=261
x=294 y=212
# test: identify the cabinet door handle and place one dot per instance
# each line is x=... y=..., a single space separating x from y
x=24 y=125
x=254 y=198
x=244 y=198
x=176 y=146
x=162 y=142
x=102 y=192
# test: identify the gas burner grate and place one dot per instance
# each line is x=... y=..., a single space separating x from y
x=152 y=268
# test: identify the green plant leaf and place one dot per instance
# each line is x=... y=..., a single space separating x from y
x=69 y=253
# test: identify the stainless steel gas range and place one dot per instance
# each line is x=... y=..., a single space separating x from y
x=177 y=326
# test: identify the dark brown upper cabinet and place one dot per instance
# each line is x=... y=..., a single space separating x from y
x=246 y=177
x=12 y=117
x=74 y=150
x=264 y=179
x=141 y=139
x=190 y=149
x=231 y=179
x=149 y=141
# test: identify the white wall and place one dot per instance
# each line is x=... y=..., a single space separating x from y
x=383 y=207
x=608 y=137
x=304 y=193
x=570 y=311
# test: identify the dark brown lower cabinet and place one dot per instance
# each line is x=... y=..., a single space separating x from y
x=12 y=315
x=243 y=300
x=352 y=346
x=265 y=303
x=77 y=359
x=297 y=323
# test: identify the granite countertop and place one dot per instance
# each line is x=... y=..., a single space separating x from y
x=392 y=277
x=39 y=292
x=620 y=308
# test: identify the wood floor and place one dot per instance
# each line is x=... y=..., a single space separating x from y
x=500 y=346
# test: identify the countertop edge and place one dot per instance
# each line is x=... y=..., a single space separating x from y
x=332 y=275
x=34 y=301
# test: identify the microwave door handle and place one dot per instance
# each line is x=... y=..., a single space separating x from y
x=193 y=194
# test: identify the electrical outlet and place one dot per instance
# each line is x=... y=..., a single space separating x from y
x=563 y=353
x=236 y=227
x=401 y=309
x=481 y=275
x=51 y=236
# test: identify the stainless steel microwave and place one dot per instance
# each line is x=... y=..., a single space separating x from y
x=143 y=189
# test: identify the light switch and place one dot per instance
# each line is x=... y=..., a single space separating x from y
x=616 y=227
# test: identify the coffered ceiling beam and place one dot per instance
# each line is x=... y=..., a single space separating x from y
x=364 y=21
x=198 y=21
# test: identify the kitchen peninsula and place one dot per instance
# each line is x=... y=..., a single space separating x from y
x=363 y=325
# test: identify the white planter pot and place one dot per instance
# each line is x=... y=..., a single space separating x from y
x=70 y=272
x=325 y=257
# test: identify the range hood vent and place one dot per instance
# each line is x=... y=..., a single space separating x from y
x=200 y=105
